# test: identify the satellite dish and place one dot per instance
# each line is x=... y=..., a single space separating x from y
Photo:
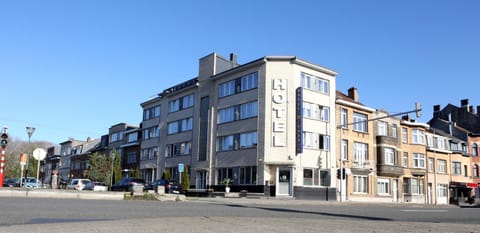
x=39 y=154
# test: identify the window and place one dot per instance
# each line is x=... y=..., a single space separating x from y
x=223 y=173
x=465 y=169
x=248 y=175
x=413 y=186
x=389 y=156
x=149 y=153
x=226 y=115
x=245 y=83
x=225 y=143
x=442 y=190
x=249 y=81
x=394 y=131
x=187 y=124
x=146 y=134
x=442 y=166
x=315 y=83
x=174 y=105
x=324 y=142
x=343 y=117
x=405 y=159
x=317 y=112
x=404 y=135
x=181 y=103
x=383 y=186
x=152 y=112
x=360 y=184
x=248 y=110
x=248 y=140
x=172 y=127
x=132 y=157
x=382 y=128
x=307 y=176
x=457 y=168
x=310 y=140
x=474 y=149
x=360 y=153
x=360 y=122
x=454 y=146
x=176 y=149
x=344 y=149
x=418 y=160
x=418 y=136
x=475 y=170
x=430 y=164
x=226 y=89
x=133 y=137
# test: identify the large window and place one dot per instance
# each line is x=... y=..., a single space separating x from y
x=442 y=190
x=180 y=126
x=475 y=170
x=405 y=159
x=430 y=164
x=181 y=103
x=418 y=136
x=315 y=83
x=360 y=184
x=245 y=83
x=177 y=149
x=344 y=149
x=382 y=128
x=418 y=160
x=132 y=157
x=238 y=112
x=316 y=141
x=442 y=166
x=149 y=153
x=248 y=175
x=383 y=186
x=394 y=130
x=315 y=111
x=152 y=112
x=360 y=152
x=237 y=141
x=404 y=135
x=152 y=132
x=457 y=168
x=389 y=156
x=413 y=186
x=223 y=173
x=360 y=122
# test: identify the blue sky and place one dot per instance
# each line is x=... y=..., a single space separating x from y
x=75 y=68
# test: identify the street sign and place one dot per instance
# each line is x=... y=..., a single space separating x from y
x=181 y=167
x=39 y=154
x=23 y=159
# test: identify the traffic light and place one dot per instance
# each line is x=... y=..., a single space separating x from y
x=341 y=174
x=4 y=140
x=338 y=174
x=418 y=109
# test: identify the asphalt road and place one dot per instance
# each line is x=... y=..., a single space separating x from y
x=228 y=215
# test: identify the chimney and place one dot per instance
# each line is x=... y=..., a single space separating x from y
x=89 y=139
x=464 y=103
x=233 y=58
x=353 y=93
x=436 y=111
x=406 y=117
x=478 y=110
x=470 y=109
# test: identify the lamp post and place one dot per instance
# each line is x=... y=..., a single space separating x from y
x=30 y=131
x=113 y=160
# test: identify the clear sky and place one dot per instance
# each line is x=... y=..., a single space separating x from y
x=75 y=68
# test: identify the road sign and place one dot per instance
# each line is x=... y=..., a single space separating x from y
x=181 y=167
x=39 y=154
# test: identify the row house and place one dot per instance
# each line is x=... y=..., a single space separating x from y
x=268 y=125
x=123 y=141
x=80 y=156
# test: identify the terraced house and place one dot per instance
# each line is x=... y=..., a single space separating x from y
x=268 y=125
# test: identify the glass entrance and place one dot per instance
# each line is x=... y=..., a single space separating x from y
x=284 y=179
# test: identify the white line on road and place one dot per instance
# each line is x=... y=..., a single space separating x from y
x=426 y=211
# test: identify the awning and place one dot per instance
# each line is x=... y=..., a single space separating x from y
x=472 y=185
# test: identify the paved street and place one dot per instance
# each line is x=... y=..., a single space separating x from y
x=228 y=215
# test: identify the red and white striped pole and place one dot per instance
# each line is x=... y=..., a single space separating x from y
x=3 y=145
x=2 y=166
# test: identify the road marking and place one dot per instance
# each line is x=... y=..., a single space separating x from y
x=426 y=211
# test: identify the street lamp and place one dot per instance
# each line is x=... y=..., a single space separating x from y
x=113 y=159
x=30 y=131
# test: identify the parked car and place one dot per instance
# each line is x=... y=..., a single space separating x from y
x=78 y=184
x=127 y=183
x=11 y=182
x=96 y=186
x=171 y=186
x=31 y=182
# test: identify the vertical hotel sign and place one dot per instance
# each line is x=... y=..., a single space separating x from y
x=299 y=120
x=279 y=108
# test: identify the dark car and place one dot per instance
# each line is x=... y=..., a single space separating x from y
x=11 y=182
x=171 y=186
x=127 y=183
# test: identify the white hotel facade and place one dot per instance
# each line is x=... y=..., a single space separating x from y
x=269 y=125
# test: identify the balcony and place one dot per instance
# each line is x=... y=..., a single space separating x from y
x=389 y=170
x=366 y=166
x=386 y=140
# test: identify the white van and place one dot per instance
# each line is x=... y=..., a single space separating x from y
x=77 y=184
